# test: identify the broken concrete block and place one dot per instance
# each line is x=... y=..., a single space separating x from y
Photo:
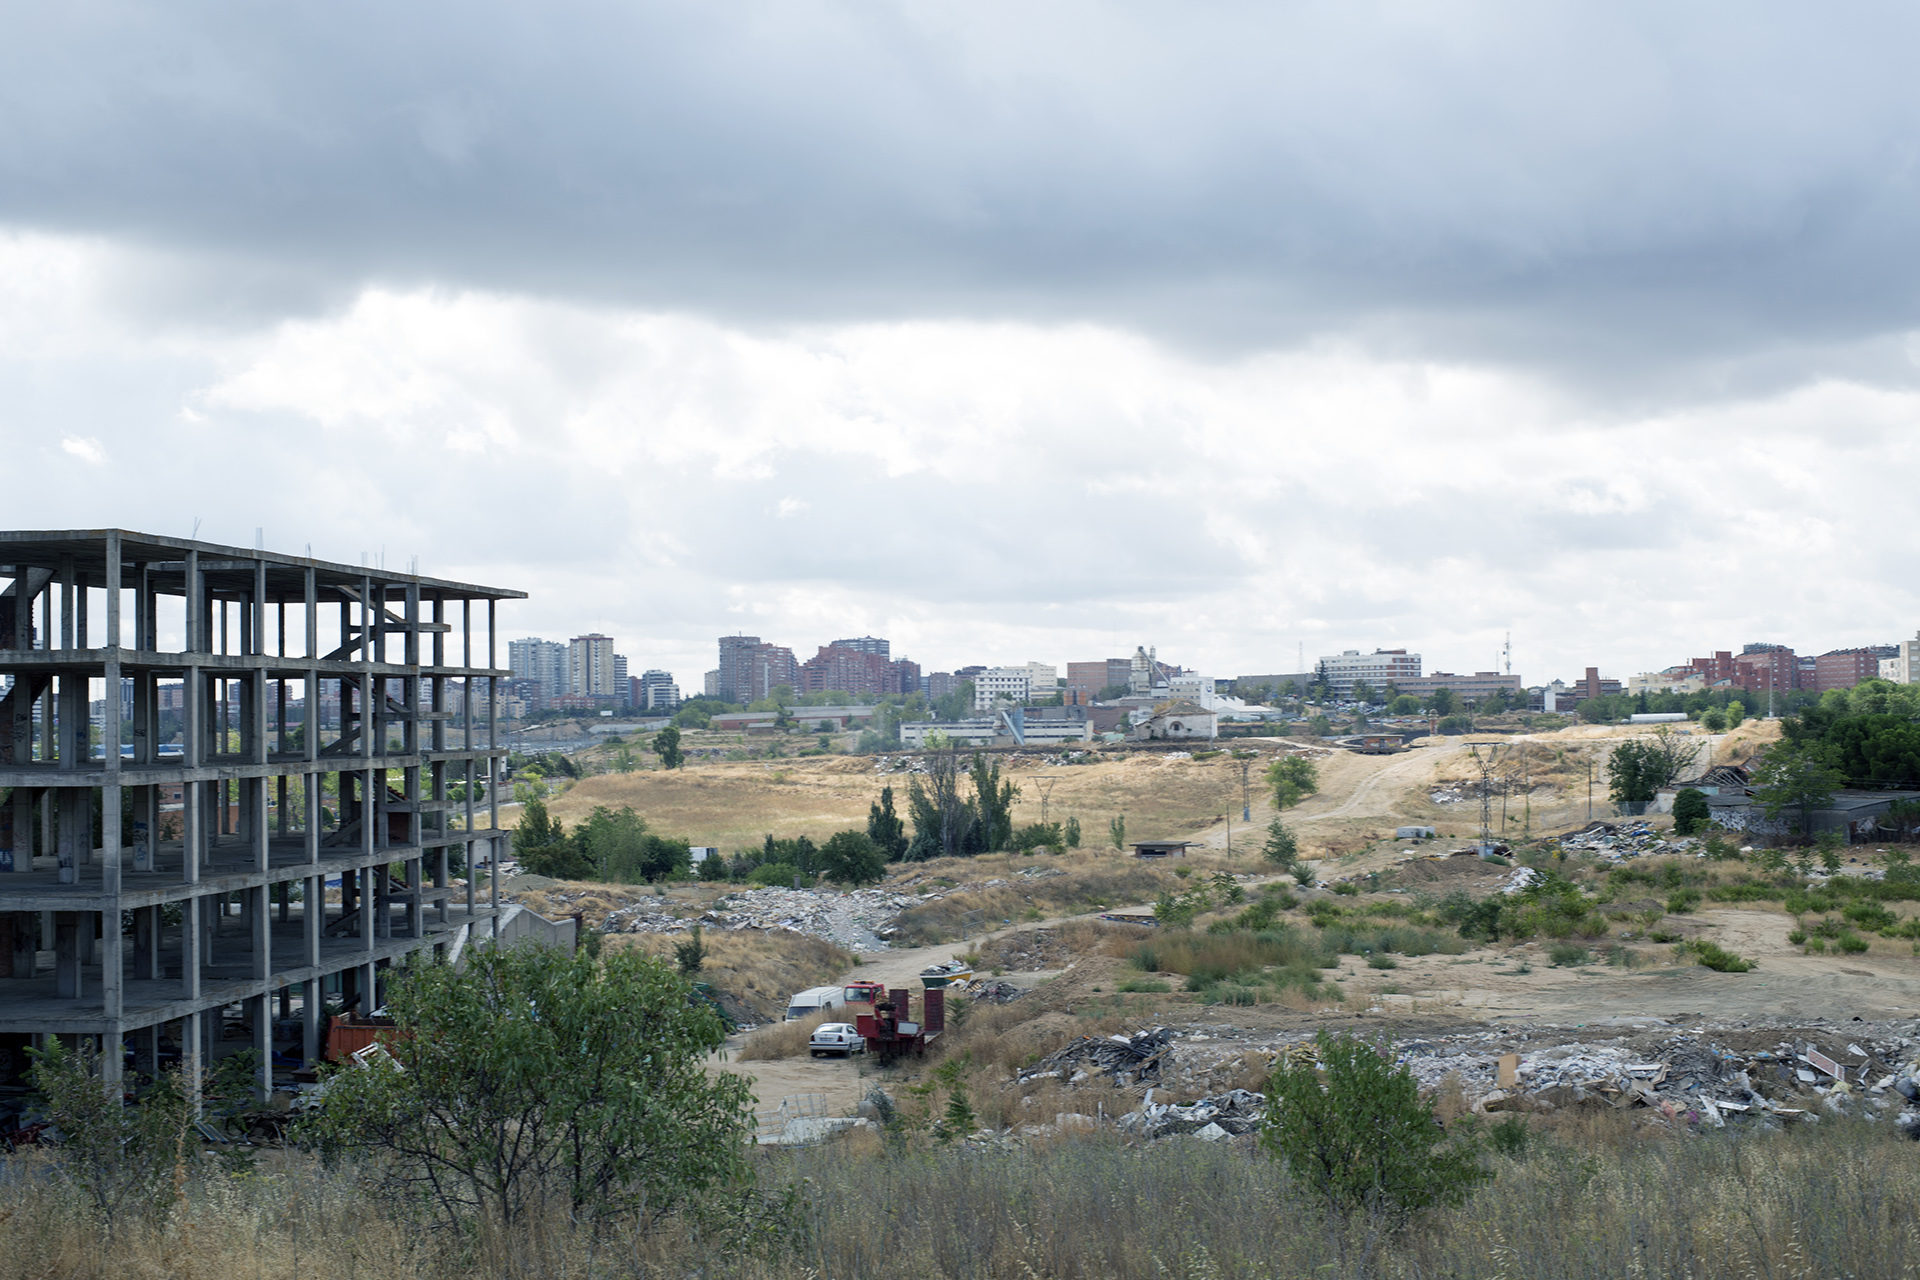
x=1509 y=1071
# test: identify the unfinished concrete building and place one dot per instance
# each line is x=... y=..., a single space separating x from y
x=234 y=786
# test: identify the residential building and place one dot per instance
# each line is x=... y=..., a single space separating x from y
x=544 y=662
x=937 y=684
x=1473 y=688
x=751 y=669
x=1672 y=680
x=994 y=686
x=656 y=691
x=620 y=679
x=590 y=671
x=1844 y=668
x=841 y=668
x=1761 y=667
x=1904 y=663
x=1341 y=671
x=710 y=684
x=873 y=645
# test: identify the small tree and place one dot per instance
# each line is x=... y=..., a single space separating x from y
x=535 y=1078
x=1304 y=875
x=1073 y=832
x=1281 y=848
x=1690 y=813
x=666 y=745
x=690 y=955
x=1441 y=702
x=122 y=1159
x=1790 y=778
x=886 y=828
x=1293 y=779
x=851 y=857
x=1117 y=831
x=1363 y=1140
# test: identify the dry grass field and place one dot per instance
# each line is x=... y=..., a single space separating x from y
x=736 y=804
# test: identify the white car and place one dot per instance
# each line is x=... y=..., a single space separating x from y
x=836 y=1037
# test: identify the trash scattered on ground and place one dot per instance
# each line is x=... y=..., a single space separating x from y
x=1522 y=879
x=1130 y=1059
x=992 y=991
x=1616 y=842
x=1224 y=1115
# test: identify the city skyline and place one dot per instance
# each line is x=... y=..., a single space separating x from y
x=1242 y=330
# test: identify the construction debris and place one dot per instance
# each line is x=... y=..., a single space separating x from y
x=1616 y=842
x=1132 y=1059
x=1223 y=1115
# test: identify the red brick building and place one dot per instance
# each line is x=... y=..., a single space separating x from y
x=1085 y=680
x=840 y=668
x=1844 y=668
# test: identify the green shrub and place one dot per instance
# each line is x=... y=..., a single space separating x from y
x=773 y=873
x=1569 y=954
x=1148 y=985
x=1714 y=956
x=1363 y=1140
x=1347 y=889
x=1683 y=902
x=1382 y=962
x=1850 y=943
x=1689 y=811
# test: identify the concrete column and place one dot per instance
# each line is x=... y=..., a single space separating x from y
x=67 y=960
x=146 y=943
x=262 y=922
x=261 y=1007
x=192 y=954
x=193 y=1063
x=310 y=1021
x=26 y=943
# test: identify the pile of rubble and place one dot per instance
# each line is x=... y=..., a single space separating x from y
x=1445 y=796
x=1616 y=842
x=993 y=991
x=858 y=919
x=643 y=917
x=1224 y=1115
x=1134 y=1059
x=1688 y=1078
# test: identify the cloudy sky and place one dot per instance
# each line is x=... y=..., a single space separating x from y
x=1007 y=331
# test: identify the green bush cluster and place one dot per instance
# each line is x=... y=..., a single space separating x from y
x=1714 y=956
x=1554 y=907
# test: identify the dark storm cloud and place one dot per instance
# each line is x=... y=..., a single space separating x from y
x=1611 y=191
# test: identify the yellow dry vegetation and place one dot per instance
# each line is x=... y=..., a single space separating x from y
x=736 y=804
x=758 y=969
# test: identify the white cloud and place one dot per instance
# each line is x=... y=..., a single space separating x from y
x=985 y=492
x=88 y=450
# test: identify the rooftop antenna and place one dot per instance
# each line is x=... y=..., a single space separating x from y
x=196 y=526
x=259 y=537
x=1506 y=653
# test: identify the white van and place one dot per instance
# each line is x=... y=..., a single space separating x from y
x=816 y=1000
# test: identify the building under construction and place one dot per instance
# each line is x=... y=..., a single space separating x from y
x=235 y=786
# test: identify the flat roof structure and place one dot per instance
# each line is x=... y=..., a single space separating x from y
x=231 y=777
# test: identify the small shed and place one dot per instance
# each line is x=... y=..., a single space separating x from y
x=1161 y=848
